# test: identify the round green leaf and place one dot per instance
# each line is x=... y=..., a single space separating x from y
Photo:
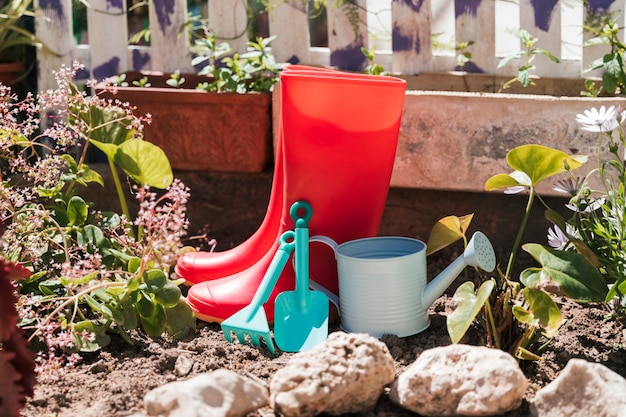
x=145 y=162
x=154 y=279
x=169 y=295
x=180 y=320
x=155 y=324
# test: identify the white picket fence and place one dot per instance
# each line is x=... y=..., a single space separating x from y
x=408 y=28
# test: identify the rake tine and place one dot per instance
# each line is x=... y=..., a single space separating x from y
x=228 y=336
x=241 y=337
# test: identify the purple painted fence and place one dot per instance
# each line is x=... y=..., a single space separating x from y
x=412 y=35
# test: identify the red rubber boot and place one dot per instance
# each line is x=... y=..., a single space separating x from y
x=197 y=267
x=339 y=140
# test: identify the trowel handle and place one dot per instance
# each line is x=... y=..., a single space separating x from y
x=286 y=244
x=301 y=213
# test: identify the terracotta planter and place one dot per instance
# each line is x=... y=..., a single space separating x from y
x=9 y=71
x=202 y=131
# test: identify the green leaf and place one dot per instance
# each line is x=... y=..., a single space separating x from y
x=575 y=275
x=145 y=162
x=88 y=175
x=180 y=320
x=108 y=125
x=541 y=162
x=145 y=305
x=76 y=211
x=542 y=312
x=134 y=263
x=155 y=324
x=447 y=231
x=526 y=355
x=85 y=345
x=500 y=181
x=468 y=307
x=92 y=237
x=109 y=149
x=169 y=295
x=154 y=280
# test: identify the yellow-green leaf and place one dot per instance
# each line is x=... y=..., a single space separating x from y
x=447 y=231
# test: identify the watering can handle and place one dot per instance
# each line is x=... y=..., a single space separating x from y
x=334 y=298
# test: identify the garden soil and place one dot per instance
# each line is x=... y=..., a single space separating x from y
x=228 y=207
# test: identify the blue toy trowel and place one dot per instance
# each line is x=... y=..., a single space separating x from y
x=301 y=316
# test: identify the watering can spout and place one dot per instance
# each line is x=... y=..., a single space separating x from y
x=479 y=253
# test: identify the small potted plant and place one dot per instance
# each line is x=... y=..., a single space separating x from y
x=14 y=37
x=219 y=119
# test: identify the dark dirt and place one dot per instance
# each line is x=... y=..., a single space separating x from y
x=113 y=382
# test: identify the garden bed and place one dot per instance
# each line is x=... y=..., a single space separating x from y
x=113 y=382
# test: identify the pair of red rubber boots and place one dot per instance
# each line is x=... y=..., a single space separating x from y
x=337 y=142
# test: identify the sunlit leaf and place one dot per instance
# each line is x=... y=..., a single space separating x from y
x=447 y=231
x=575 y=275
x=541 y=162
x=145 y=162
x=468 y=307
x=500 y=181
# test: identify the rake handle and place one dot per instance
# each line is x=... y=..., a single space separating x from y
x=285 y=248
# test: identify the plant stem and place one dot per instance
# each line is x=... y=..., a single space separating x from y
x=520 y=232
x=71 y=300
x=120 y=193
x=492 y=324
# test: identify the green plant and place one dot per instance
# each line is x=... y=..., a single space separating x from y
x=519 y=315
x=13 y=35
x=91 y=272
x=175 y=80
x=529 y=53
x=254 y=71
x=605 y=31
x=372 y=68
x=464 y=56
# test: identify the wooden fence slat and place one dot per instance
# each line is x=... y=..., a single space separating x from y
x=169 y=48
x=290 y=23
x=229 y=19
x=543 y=20
x=53 y=25
x=344 y=40
x=411 y=36
x=475 y=21
x=108 y=47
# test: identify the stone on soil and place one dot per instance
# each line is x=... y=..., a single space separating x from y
x=221 y=393
x=582 y=389
x=345 y=374
x=460 y=380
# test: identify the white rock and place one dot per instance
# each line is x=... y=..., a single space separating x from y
x=582 y=389
x=216 y=394
x=460 y=380
x=345 y=374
